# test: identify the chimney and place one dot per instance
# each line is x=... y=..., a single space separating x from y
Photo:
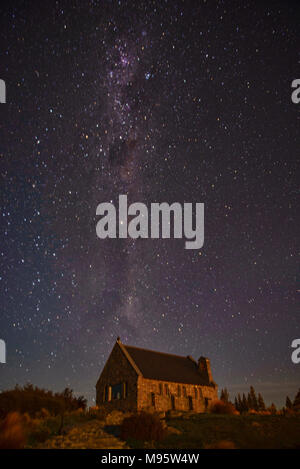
x=204 y=368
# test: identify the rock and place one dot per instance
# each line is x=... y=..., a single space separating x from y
x=173 y=431
x=114 y=418
x=164 y=425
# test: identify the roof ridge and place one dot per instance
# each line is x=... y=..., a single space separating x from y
x=129 y=357
x=156 y=351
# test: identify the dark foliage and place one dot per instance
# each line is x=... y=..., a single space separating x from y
x=296 y=403
x=32 y=399
x=288 y=403
x=252 y=399
x=261 y=403
x=224 y=395
x=222 y=407
x=251 y=402
x=142 y=427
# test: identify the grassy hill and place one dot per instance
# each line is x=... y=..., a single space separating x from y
x=189 y=431
x=243 y=431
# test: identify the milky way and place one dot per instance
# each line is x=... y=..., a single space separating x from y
x=166 y=102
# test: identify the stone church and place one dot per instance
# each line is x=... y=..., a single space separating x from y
x=136 y=379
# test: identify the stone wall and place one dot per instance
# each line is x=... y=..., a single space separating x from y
x=163 y=395
x=118 y=370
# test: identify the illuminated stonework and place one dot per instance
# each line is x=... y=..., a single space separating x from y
x=138 y=379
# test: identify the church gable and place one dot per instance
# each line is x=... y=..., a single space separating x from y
x=117 y=385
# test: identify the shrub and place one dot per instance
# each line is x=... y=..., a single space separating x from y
x=221 y=407
x=43 y=414
x=97 y=413
x=34 y=400
x=40 y=435
x=143 y=427
x=12 y=432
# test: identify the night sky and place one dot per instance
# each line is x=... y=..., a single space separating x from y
x=165 y=101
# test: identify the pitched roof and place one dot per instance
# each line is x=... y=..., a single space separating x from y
x=166 y=367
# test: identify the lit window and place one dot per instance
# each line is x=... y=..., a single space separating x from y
x=125 y=390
